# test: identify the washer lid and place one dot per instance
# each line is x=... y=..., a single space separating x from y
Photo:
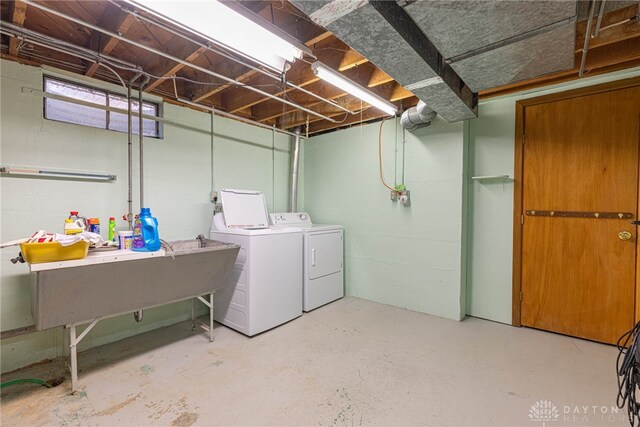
x=244 y=209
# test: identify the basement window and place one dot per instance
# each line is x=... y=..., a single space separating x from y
x=78 y=110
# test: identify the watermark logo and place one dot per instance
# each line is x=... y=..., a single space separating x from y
x=544 y=411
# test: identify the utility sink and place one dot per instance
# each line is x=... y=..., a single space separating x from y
x=78 y=293
x=180 y=247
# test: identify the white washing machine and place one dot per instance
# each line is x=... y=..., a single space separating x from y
x=265 y=289
x=322 y=255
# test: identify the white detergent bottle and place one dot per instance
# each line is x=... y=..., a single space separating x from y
x=73 y=227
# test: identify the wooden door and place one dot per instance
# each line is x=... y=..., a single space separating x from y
x=580 y=162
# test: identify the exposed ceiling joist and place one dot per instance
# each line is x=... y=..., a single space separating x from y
x=269 y=110
x=617 y=47
x=368 y=114
x=246 y=76
x=173 y=70
x=379 y=77
x=333 y=53
x=18 y=15
x=616 y=26
x=113 y=19
x=391 y=90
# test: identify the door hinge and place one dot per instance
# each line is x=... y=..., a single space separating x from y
x=521 y=219
x=523 y=138
x=520 y=296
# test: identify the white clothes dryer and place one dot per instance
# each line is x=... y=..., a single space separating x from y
x=322 y=256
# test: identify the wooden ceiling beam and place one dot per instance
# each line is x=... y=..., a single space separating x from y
x=248 y=75
x=207 y=93
x=272 y=109
x=19 y=60
x=351 y=59
x=113 y=19
x=319 y=38
x=378 y=78
x=297 y=118
x=367 y=115
x=300 y=74
x=18 y=16
x=173 y=70
x=616 y=26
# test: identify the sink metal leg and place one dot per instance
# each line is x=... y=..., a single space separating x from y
x=209 y=304
x=73 y=347
x=193 y=314
x=74 y=358
x=211 y=317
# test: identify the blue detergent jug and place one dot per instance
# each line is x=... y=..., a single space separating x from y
x=145 y=233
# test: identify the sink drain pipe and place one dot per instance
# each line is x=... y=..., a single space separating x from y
x=295 y=163
x=138 y=315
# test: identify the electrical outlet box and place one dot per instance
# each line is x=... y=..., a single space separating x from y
x=405 y=198
x=213 y=196
x=394 y=196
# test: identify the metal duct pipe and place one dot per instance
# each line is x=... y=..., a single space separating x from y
x=295 y=162
x=417 y=117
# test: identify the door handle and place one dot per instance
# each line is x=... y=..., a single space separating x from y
x=313 y=257
x=625 y=235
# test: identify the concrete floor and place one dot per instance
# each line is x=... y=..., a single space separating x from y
x=353 y=362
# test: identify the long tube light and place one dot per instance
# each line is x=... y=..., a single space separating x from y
x=239 y=30
x=7 y=170
x=335 y=78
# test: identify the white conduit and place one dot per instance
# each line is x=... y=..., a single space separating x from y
x=175 y=59
x=233 y=116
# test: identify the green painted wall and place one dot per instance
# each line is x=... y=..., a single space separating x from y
x=450 y=254
x=491 y=142
x=178 y=183
x=405 y=256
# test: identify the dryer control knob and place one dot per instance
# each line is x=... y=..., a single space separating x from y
x=303 y=217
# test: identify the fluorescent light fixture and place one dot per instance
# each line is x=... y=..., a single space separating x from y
x=335 y=78
x=27 y=171
x=232 y=26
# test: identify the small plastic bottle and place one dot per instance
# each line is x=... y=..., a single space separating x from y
x=94 y=225
x=112 y=229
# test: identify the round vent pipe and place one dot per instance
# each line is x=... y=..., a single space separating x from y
x=295 y=163
x=417 y=117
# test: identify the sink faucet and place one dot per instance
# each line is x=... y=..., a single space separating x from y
x=203 y=240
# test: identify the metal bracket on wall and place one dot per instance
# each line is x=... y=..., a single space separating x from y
x=570 y=214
